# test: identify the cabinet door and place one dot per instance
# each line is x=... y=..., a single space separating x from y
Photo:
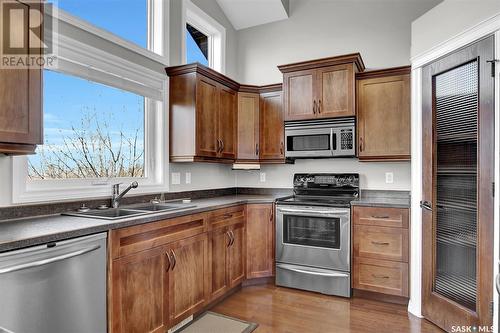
x=188 y=281
x=207 y=105
x=227 y=125
x=236 y=270
x=260 y=240
x=219 y=242
x=21 y=96
x=139 y=292
x=335 y=91
x=298 y=90
x=384 y=118
x=272 y=130
x=248 y=126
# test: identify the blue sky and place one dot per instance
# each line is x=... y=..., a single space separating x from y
x=67 y=99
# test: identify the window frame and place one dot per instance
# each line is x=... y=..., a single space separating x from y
x=79 y=58
x=216 y=33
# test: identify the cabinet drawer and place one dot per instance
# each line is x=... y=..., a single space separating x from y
x=149 y=235
x=380 y=243
x=227 y=216
x=381 y=276
x=381 y=216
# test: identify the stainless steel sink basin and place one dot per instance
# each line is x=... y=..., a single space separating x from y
x=125 y=212
x=108 y=214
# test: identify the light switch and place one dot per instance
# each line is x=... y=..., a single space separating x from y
x=188 y=177
x=262 y=177
x=176 y=178
x=389 y=177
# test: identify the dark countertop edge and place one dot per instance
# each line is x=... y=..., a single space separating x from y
x=108 y=225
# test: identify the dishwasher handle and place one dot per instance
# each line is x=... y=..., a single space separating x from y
x=43 y=262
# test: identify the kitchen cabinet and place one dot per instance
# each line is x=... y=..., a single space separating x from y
x=383 y=106
x=260 y=233
x=272 y=130
x=381 y=250
x=323 y=88
x=21 y=99
x=187 y=277
x=219 y=242
x=248 y=126
x=237 y=249
x=203 y=115
x=139 y=284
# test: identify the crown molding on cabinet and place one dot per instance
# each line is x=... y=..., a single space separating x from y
x=325 y=62
x=402 y=70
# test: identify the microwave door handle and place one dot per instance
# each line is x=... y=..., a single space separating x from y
x=332 y=141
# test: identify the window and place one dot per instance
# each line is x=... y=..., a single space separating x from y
x=113 y=16
x=91 y=131
x=205 y=39
x=104 y=120
x=196 y=46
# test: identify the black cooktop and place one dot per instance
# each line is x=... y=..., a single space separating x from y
x=324 y=189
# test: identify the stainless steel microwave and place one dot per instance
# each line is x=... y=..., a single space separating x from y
x=320 y=138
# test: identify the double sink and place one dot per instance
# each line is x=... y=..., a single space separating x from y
x=130 y=211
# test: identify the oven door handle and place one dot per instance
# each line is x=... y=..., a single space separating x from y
x=312 y=212
x=306 y=271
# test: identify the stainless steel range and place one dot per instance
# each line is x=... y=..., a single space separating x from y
x=313 y=233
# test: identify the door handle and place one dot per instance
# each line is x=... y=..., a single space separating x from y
x=305 y=271
x=218 y=146
x=360 y=144
x=169 y=261
x=380 y=276
x=380 y=243
x=497 y=283
x=257 y=149
x=319 y=106
x=271 y=215
x=380 y=216
x=43 y=262
x=229 y=238
x=426 y=205
x=314 y=107
x=232 y=237
x=174 y=259
x=221 y=145
x=281 y=148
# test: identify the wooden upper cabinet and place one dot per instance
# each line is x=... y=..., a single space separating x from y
x=383 y=102
x=203 y=115
x=248 y=126
x=272 y=130
x=227 y=122
x=323 y=88
x=187 y=282
x=260 y=240
x=139 y=284
x=21 y=99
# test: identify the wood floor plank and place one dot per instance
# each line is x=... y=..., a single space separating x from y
x=278 y=309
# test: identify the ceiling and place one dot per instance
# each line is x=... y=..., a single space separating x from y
x=249 y=13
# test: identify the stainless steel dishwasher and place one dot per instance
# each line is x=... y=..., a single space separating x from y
x=55 y=288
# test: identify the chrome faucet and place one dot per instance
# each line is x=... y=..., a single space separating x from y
x=115 y=199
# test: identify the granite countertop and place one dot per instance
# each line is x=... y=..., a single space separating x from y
x=376 y=198
x=20 y=233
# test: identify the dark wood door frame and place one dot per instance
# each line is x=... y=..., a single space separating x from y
x=438 y=309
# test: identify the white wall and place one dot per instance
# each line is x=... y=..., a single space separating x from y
x=448 y=19
x=380 y=30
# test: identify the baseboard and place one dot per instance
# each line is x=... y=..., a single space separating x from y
x=380 y=297
x=259 y=281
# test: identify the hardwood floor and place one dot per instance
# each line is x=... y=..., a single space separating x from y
x=278 y=309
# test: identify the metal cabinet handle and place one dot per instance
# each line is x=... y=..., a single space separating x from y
x=229 y=238
x=314 y=107
x=380 y=216
x=497 y=283
x=360 y=144
x=319 y=106
x=221 y=146
x=169 y=260
x=380 y=276
x=232 y=237
x=227 y=216
x=43 y=262
x=174 y=258
x=426 y=205
x=271 y=216
x=281 y=148
x=218 y=146
x=257 y=149
x=380 y=243
x=306 y=271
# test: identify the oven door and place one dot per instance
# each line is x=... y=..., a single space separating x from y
x=313 y=236
x=309 y=142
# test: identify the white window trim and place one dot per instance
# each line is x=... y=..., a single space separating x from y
x=216 y=33
x=87 y=62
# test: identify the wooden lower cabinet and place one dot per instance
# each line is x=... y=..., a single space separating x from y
x=260 y=240
x=218 y=260
x=139 y=292
x=236 y=255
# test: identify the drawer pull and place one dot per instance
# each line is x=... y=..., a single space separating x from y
x=380 y=216
x=380 y=243
x=380 y=276
x=227 y=216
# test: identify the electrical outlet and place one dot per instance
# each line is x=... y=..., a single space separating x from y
x=176 y=178
x=262 y=177
x=188 y=177
x=389 y=177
